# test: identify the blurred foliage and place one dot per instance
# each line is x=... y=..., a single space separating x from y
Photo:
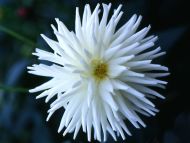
x=22 y=118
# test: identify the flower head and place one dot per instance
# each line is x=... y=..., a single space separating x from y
x=100 y=74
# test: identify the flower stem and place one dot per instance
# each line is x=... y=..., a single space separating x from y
x=17 y=36
x=13 y=89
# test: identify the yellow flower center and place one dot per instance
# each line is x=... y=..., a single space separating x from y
x=99 y=69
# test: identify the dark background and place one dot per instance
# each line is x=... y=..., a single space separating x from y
x=22 y=118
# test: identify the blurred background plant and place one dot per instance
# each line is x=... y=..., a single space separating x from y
x=22 y=118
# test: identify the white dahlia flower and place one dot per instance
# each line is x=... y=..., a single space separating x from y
x=100 y=74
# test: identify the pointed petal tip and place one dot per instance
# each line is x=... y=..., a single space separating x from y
x=59 y=130
x=34 y=53
x=57 y=19
x=31 y=90
x=165 y=68
x=140 y=16
x=65 y=132
x=120 y=5
x=47 y=100
x=29 y=67
x=134 y=16
x=53 y=27
x=37 y=97
x=44 y=37
x=49 y=110
x=163 y=97
x=49 y=116
x=149 y=26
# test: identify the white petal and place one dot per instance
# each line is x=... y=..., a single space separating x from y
x=77 y=129
x=137 y=36
x=150 y=67
x=155 y=75
x=127 y=31
x=96 y=120
x=125 y=50
x=117 y=84
x=116 y=70
x=107 y=97
x=47 y=56
x=54 y=45
x=147 y=55
x=143 y=80
x=126 y=27
x=84 y=115
x=121 y=60
x=131 y=74
x=148 y=90
x=141 y=48
x=90 y=91
x=106 y=85
x=110 y=116
x=44 y=86
x=109 y=53
x=89 y=124
x=124 y=107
